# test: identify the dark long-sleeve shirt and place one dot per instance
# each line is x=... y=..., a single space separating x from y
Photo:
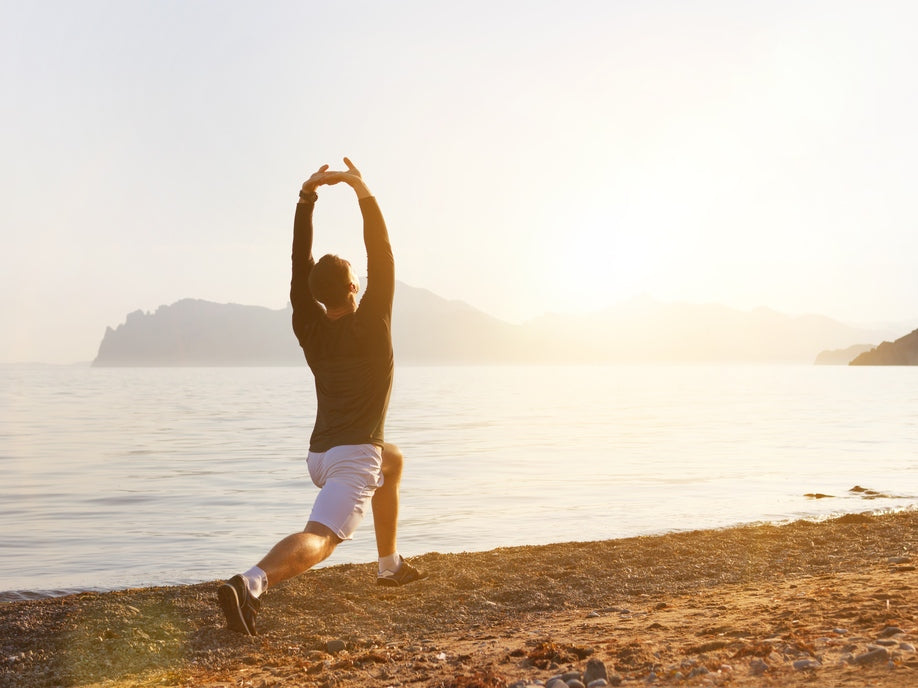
x=351 y=357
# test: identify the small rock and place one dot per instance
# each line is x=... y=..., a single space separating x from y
x=593 y=615
x=840 y=631
x=897 y=560
x=569 y=676
x=651 y=677
x=698 y=671
x=595 y=669
x=880 y=654
x=575 y=683
x=556 y=682
x=758 y=667
x=598 y=683
x=888 y=642
x=890 y=631
x=806 y=665
x=333 y=647
x=907 y=647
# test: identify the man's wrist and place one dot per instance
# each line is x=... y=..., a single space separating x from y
x=308 y=196
x=362 y=190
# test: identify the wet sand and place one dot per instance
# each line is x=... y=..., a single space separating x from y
x=833 y=603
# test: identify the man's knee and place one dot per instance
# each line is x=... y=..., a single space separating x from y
x=324 y=532
x=392 y=462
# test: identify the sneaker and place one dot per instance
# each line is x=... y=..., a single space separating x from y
x=406 y=574
x=238 y=605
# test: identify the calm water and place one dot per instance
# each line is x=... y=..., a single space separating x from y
x=123 y=477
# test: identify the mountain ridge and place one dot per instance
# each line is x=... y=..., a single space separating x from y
x=428 y=329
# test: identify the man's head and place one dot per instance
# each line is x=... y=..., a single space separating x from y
x=332 y=282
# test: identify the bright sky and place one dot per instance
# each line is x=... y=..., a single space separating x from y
x=529 y=156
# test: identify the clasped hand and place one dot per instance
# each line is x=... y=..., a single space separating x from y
x=325 y=177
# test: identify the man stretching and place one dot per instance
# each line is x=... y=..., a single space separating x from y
x=349 y=349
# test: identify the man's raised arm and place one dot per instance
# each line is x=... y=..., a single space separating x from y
x=380 y=288
x=305 y=307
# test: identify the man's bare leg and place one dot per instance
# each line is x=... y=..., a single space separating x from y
x=385 y=501
x=293 y=555
x=299 y=552
x=393 y=569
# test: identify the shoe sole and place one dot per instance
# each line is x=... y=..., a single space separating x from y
x=229 y=603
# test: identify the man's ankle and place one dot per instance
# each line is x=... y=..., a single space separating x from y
x=256 y=581
x=390 y=563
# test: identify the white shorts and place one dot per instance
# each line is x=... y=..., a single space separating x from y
x=347 y=476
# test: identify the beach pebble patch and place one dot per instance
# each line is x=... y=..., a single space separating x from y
x=758 y=667
x=879 y=654
x=333 y=647
x=595 y=670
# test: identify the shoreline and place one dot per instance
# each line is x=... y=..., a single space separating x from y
x=24 y=595
x=805 y=600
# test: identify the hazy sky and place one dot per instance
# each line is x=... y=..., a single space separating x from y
x=528 y=156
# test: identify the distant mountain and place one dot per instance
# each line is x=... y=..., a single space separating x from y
x=428 y=329
x=903 y=351
x=643 y=329
x=841 y=356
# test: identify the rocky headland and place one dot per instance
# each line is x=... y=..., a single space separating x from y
x=903 y=351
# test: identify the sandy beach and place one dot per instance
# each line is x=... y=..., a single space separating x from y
x=833 y=603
